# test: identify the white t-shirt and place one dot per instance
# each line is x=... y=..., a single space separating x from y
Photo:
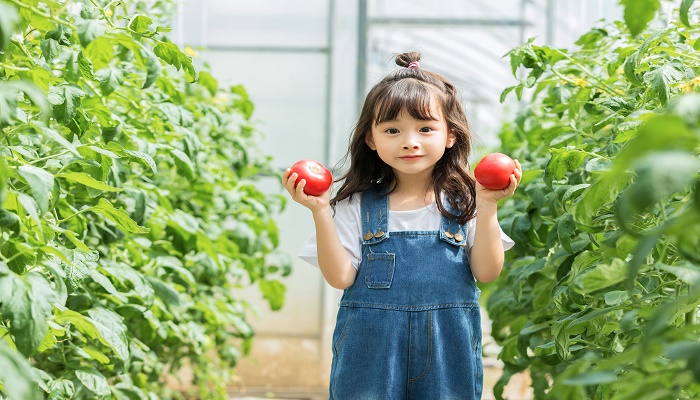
x=349 y=226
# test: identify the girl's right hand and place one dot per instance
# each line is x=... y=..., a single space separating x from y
x=313 y=203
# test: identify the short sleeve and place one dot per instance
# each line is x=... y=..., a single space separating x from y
x=508 y=243
x=348 y=225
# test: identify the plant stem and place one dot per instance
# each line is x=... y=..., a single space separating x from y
x=9 y=144
x=97 y=93
x=24 y=51
x=50 y=157
x=60 y=221
x=13 y=68
x=41 y=13
x=104 y=14
x=602 y=86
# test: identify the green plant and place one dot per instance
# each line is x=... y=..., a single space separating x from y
x=129 y=214
x=600 y=297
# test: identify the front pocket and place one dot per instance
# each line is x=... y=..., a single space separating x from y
x=379 y=270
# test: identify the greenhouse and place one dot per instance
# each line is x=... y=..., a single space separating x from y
x=510 y=210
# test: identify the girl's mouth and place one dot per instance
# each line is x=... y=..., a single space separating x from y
x=411 y=158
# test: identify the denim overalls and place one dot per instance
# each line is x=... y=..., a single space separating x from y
x=409 y=327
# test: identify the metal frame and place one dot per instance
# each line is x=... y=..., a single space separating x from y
x=365 y=23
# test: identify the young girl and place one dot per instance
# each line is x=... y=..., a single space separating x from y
x=403 y=239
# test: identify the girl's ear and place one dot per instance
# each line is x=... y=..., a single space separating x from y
x=370 y=141
x=451 y=139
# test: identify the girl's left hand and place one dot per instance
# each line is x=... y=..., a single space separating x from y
x=494 y=196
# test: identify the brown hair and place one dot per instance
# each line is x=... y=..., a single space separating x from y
x=411 y=89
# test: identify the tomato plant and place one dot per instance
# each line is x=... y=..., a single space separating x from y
x=494 y=171
x=129 y=213
x=600 y=297
x=318 y=177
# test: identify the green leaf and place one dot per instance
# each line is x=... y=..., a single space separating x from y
x=65 y=101
x=246 y=107
x=100 y=51
x=41 y=182
x=106 y=328
x=171 y=54
x=96 y=354
x=49 y=49
x=72 y=238
x=152 y=67
x=3 y=181
x=208 y=82
x=685 y=271
x=27 y=303
x=93 y=380
x=564 y=160
x=110 y=79
x=602 y=192
x=56 y=137
x=111 y=328
x=88 y=181
x=29 y=205
x=186 y=221
x=85 y=66
x=143 y=158
x=660 y=79
x=9 y=221
x=273 y=291
x=140 y=24
x=638 y=13
x=103 y=281
x=183 y=163
x=566 y=230
x=602 y=276
x=616 y=297
x=167 y=293
x=61 y=389
x=685 y=7
x=585 y=260
x=38 y=76
x=8 y=19
x=62 y=34
x=89 y=30
x=660 y=175
x=661 y=133
x=591 y=378
x=8 y=108
x=16 y=375
x=118 y=216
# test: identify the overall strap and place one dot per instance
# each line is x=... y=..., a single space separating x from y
x=374 y=213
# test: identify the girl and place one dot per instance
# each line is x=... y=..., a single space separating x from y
x=403 y=239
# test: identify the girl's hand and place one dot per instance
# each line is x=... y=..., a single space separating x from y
x=494 y=196
x=313 y=203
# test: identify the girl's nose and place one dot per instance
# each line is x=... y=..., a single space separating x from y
x=411 y=143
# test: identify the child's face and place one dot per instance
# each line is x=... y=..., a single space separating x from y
x=412 y=146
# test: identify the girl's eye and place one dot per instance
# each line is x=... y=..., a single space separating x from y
x=426 y=129
x=392 y=131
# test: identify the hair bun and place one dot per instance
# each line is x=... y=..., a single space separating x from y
x=405 y=59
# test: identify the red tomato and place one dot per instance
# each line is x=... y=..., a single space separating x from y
x=318 y=178
x=494 y=171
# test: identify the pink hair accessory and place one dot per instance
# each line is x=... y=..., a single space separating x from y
x=413 y=65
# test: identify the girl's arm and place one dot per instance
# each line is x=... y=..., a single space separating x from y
x=333 y=259
x=486 y=257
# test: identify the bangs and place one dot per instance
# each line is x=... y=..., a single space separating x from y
x=406 y=94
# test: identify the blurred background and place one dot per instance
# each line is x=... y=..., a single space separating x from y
x=307 y=65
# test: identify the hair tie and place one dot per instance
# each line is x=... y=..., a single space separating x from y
x=413 y=65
